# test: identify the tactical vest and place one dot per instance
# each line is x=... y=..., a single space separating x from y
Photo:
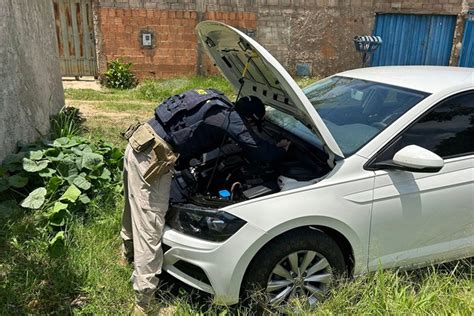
x=180 y=115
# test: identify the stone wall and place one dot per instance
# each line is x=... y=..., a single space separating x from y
x=317 y=33
x=31 y=83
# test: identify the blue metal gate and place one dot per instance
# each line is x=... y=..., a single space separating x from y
x=410 y=39
x=467 y=50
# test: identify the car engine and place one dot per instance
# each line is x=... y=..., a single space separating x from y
x=224 y=176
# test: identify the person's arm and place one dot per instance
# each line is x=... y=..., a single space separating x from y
x=255 y=148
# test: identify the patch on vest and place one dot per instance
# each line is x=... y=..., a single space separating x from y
x=201 y=91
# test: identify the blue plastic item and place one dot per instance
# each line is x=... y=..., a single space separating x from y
x=224 y=194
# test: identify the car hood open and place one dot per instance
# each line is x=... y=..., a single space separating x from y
x=242 y=59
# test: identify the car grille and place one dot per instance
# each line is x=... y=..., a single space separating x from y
x=192 y=270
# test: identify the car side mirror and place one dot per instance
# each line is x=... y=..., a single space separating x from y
x=417 y=159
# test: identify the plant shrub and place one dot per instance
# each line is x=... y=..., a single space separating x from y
x=58 y=179
x=119 y=75
x=66 y=123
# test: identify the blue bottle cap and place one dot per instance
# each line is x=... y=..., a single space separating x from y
x=224 y=194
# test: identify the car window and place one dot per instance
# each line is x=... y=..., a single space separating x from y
x=291 y=124
x=356 y=110
x=447 y=130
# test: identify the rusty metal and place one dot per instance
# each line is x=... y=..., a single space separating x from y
x=75 y=34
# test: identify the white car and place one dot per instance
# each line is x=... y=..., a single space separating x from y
x=379 y=174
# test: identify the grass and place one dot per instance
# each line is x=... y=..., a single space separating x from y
x=88 y=279
x=151 y=90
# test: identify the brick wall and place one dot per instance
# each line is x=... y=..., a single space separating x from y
x=175 y=43
x=316 y=32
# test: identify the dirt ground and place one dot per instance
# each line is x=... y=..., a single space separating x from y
x=83 y=83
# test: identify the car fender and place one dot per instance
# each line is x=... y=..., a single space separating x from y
x=360 y=259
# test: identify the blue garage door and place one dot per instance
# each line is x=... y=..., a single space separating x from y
x=414 y=39
x=467 y=50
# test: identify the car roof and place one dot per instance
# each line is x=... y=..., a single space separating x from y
x=429 y=79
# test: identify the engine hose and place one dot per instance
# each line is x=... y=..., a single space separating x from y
x=233 y=187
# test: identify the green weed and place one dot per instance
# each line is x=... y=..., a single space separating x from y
x=57 y=179
x=66 y=123
x=119 y=75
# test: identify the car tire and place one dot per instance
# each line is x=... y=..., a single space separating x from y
x=274 y=277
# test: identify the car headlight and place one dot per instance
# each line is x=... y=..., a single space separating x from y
x=202 y=223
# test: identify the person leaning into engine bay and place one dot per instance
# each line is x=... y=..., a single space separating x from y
x=184 y=127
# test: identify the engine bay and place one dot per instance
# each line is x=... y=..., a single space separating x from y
x=225 y=176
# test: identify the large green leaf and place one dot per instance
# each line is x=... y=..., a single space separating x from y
x=116 y=153
x=17 y=181
x=67 y=167
x=84 y=199
x=35 y=199
x=58 y=214
x=56 y=244
x=58 y=157
x=65 y=142
x=91 y=161
x=47 y=173
x=79 y=139
x=82 y=183
x=36 y=154
x=105 y=174
x=51 y=152
x=81 y=149
x=34 y=166
x=71 y=194
x=53 y=184
x=61 y=142
x=77 y=151
x=58 y=206
x=59 y=219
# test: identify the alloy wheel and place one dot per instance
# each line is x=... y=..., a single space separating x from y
x=302 y=274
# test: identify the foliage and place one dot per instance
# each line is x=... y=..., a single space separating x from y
x=66 y=123
x=119 y=75
x=58 y=179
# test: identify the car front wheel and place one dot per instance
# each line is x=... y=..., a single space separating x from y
x=298 y=265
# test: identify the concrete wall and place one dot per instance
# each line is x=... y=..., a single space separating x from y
x=29 y=70
x=315 y=32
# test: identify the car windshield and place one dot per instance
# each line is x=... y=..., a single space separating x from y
x=356 y=110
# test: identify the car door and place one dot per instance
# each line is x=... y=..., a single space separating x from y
x=417 y=217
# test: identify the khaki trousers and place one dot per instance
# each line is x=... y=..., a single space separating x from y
x=146 y=204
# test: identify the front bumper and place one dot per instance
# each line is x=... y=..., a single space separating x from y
x=213 y=267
